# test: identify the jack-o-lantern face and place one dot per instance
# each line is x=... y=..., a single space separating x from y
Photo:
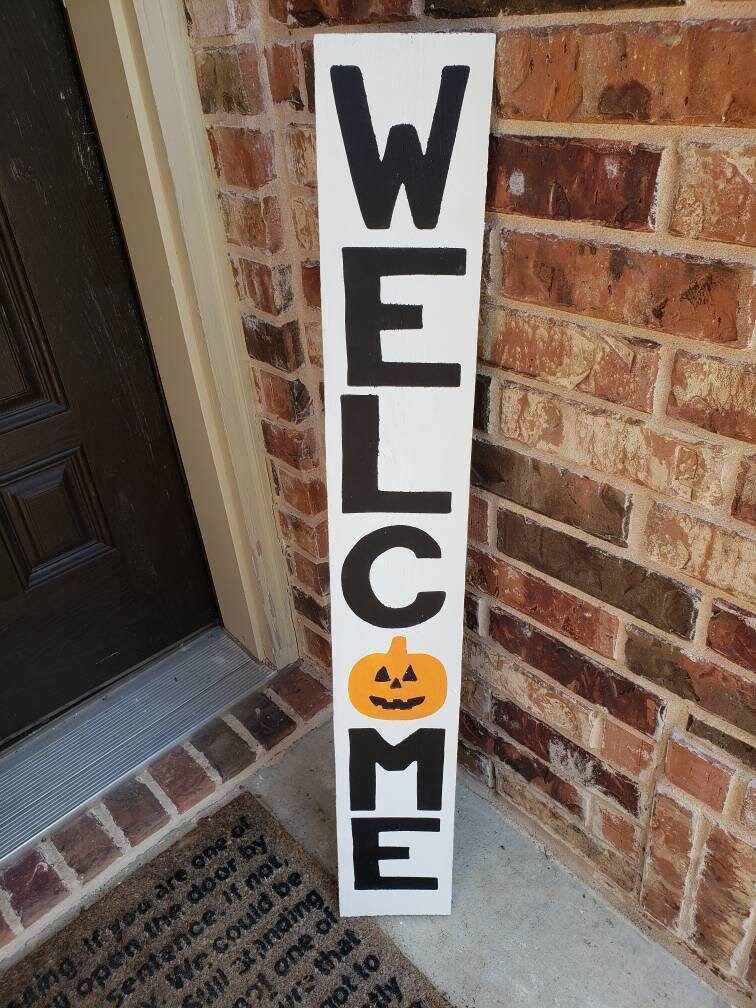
x=396 y=686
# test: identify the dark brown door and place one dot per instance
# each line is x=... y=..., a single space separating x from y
x=100 y=561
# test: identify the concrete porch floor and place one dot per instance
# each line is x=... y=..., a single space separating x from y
x=536 y=936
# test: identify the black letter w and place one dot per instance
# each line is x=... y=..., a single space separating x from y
x=377 y=181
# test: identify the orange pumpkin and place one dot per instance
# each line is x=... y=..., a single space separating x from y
x=397 y=686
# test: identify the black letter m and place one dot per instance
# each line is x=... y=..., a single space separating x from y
x=377 y=181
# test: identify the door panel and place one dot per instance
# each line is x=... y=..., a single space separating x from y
x=100 y=560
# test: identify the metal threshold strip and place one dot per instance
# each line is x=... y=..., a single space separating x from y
x=66 y=764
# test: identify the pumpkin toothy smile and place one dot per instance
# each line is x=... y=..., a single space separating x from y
x=396 y=704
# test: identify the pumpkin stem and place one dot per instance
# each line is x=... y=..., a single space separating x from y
x=398 y=647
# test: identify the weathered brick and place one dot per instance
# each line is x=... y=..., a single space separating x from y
x=6 y=934
x=314 y=340
x=492 y=8
x=621 y=833
x=570 y=356
x=309 y=13
x=744 y=504
x=696 y=771
x=300 y=155
x=307 y=496
x=229 y=80
x=662 y=72
x=209 y=18
x=716 y=555
x=717 y=395
x=568 y=179
x=715 y=689
x=298 y=448
x=748 y=811
x=316 y=612
x=552 y=490
x=252 y=221
x=283 y=74
x=671 y=836
x=308 y=63
x=612 y=445
x=538 y=775
x=310 y=537
x=477 y=520
x=475 y=733
x=584 y=622
x=243 y=157
x=311 y=283
x=475 y=696
x=568 y=758
x=650 y=596
x=724 y=895
x=284 y=398
x=305 y=215
x=678 y=295
x=482 y=404
x=732 y=633
x=34 y=887
x=223 y=748
x=316 y=646
x=625 y=699
x=723 y=740
x=301 y=692
x=471 y=612
x=85 y=846
x=265 y=720
x=135 y=810
x=278 y=345
x=267 y=287
x=475 y=763
x=624 y=749
x=314 y=576
x=182 y=778
x=714 y=197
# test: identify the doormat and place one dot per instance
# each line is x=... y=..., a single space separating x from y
x=235 y=915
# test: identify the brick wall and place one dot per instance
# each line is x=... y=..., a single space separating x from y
x=610 y=655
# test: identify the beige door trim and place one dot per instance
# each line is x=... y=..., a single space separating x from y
x=136 y=64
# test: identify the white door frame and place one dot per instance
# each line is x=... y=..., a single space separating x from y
x=137 y=68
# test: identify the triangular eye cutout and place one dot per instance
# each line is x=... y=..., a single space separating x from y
x=382 y=675
x=409 y=675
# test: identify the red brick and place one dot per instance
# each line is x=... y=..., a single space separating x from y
x=209 y=18
x=628 y=701
x=6 y=934
x=475 y=733
x=717 y=395
x=85 y=845
x=471 y=612
x=182 y=778
x=714 y=197
x=624 y=749
x=272 y=344
x=571 y=616
x=552 y=490
x=313 y=610
x=267 y=287
x=283 y=74
x=716 y=555
x=732 y=632
x=298 y=448
x=661 y=72
x=650 y=596
x=724 y=895
x=540 y=776
x=229 y=80
x=224 y=750
x=477 y=520
x=314 y=338
x=309 y=13
x=310 y=537
x=135 y=810
x=264 y=719
x=307 y=496
x=567 y=179
x=314 y=576
x=744 y=504
x=308 y=63
x=252 y=221
x=682 y=296
x=723 y=740
x=311 y=283
x=697 y=772
x=305 y=215
x=300 y=155
x=620 y=832
x=243 y=157
x=475 y=763
x=34 y=887
x=284 y=398
x=482 y=402
x=671 y=836
x=570 y=356
x=301 y=692
x=316 y=646
x=712 y=687
x=567 y=757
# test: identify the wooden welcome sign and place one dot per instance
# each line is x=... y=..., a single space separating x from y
x=402 y=134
